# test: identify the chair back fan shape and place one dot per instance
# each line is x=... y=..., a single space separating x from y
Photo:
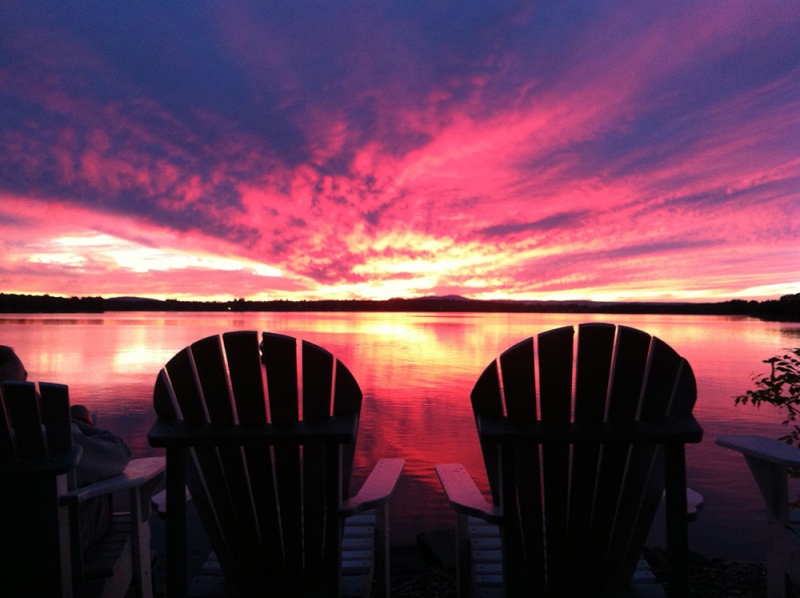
x=578 y=502
x=270 y=508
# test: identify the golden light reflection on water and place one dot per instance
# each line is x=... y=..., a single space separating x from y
x=416 y=371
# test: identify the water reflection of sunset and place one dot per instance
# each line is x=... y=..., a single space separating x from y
x=416 y=371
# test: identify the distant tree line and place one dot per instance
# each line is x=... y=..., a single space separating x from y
x=787 y=308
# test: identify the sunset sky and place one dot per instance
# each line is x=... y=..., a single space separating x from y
x=332 y=150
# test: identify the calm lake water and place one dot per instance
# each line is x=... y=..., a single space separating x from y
x=416 y=371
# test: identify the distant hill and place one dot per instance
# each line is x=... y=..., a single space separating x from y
x=787 y=308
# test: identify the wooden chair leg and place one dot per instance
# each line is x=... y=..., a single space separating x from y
x=140 y=543
x=463 y=557
x=176 y=522
x=772 y=481
x=382 y=572
x=677 y=519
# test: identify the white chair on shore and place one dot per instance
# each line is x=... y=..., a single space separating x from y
x=769 y=461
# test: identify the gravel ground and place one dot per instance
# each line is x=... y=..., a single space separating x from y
x=710 y=579
x=427 y=569
x=722 y=579
x=716 y=578
x=433 y=575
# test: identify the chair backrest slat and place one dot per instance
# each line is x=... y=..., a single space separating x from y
x=555 y=357
x=684 y=391
x=662 y=372
x=555 y=352
x=318 y=367
x=519 y=382
x=34 y=422
x=592 y=375
x=592 y=371
x=7 y=450
x=25 y=412
x=280 y=358
x=165 y=403
x=487 y=400
x=246 y=375
x=56 y=416
x=346 y=394
x=182 y=376
x=346 y=400
x=627 y=376
x=318 y=370
x=213 y=379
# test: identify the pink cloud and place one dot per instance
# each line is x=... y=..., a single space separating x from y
x=644 y=156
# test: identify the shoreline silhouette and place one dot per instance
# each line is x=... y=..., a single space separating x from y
x=787 y=308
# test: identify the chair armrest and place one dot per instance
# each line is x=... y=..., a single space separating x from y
x=138 y=473
x=377 y=488
x=463 y=494
x=340 y=429
x=57 y=464
x=667 y=430
x=760 y=447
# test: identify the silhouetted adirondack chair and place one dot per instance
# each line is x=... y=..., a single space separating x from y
x=769 y=461
x=39 y=532
x=577 y=459
x=264 y=435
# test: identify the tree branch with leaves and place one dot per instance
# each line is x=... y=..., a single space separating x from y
x=781 y=388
